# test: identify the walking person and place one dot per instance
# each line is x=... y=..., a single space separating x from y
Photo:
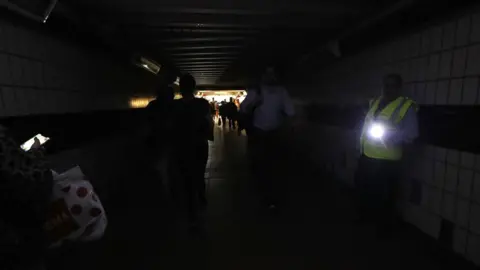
x=160 y=124
x=193 y=128
x=223 y=110
x=390 y=125
x=232 y=113
x=213 y=108
x=270 y=108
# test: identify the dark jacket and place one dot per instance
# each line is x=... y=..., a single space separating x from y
x=192 y=121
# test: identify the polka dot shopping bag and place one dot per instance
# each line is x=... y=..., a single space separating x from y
x=76 y=213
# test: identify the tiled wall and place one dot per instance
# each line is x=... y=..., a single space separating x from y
x=42 y=74
x=441 y=66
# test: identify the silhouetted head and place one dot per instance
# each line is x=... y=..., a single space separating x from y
x=269 y=77
x=187 y=85
x=392 y=86
x=165 y=92
x=231 y=99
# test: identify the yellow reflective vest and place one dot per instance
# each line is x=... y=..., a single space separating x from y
x=391 y=116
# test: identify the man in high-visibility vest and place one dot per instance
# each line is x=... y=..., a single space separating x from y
x=390 y=125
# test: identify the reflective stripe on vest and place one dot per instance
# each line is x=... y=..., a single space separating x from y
x=393 y=114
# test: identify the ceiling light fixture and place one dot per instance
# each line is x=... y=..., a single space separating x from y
x=38 y=10
x=147 y=64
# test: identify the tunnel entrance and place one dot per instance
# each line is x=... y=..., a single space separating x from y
x=222 y=95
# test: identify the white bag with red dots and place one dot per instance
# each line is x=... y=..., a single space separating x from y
x=76 y=213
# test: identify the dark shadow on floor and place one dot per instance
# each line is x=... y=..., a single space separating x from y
x=314 y=231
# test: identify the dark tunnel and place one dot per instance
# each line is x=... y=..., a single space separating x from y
x=83 y=72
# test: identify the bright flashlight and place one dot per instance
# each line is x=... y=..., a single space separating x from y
x=376 y=131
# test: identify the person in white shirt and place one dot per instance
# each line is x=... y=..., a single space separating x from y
x=272 y=104
x=270 y=108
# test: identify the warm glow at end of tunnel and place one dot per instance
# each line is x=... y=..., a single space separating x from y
x=137 y=103
x=218 y=96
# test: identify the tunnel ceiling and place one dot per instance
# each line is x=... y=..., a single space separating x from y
x=225 y=42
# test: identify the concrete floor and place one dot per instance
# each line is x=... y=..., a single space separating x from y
x=315 y=230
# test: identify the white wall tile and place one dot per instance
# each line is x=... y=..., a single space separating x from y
x=463 y=31
x=430 y=93
x=430 y=151
x=451 y=178
x=470 y=88
x=441 y=95
x=58 y=55
x=416 y=167
x=403 y=48
x=414 y=68
x=449 y=35
x=32 y=102
x=36 y=46
x=463 y=211
x=427 y=171
x=28 y=73
x=10 y=32
x=410 y=212
x=473 y=63
x=446 y=59
x=22 y=98
x=439 y=175
x=448 y=206
x=460 y=240
x=475 y=33
x=51 y=98
x=2 y=102
x=476 y=188
x=436 y=34
x=422 y=69
x=433 y=67
x=441 y=154
x=16 y=69
x=477 y=163
x=433 y=199
x=411 y=71
x=426 y=46
x=5 y=77
x=22 y=41
x=467 y=159
x=459 y=62
x=41 y=100
x=453 y=156
x=13 y=40
x=48 y=76
x=403 y=69
x=38 y=100
x=475 y=218
x=39 y=81
x=429 y=223
x=419 y=94
x=10 y=101
x=3 y=37
x=38 y=96
x=465 y=180
x=414 y=45
x=455 y=92
x=409 y=90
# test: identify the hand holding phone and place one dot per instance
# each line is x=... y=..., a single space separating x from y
x=35 y=142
